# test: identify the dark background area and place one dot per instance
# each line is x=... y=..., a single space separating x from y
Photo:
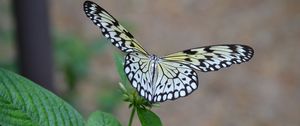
x=262 y=92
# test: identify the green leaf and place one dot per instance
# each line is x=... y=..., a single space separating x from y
x=148 y=118
x=99 y=118
x=24 y=103
x=119 y=59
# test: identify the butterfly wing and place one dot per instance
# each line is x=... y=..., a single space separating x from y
x=212 y=58
x=169 y=80
x=174 y=80
x=111 y=28
x=137 y=69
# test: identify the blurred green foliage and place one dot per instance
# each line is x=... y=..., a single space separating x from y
x=109 y=99
x=7 y=59
x=6 y=36
x=71 y=57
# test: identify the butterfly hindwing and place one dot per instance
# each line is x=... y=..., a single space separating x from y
x=137 y=70
x=212 y=58
x=174 y=80
x=111 y=28
x=169 y=81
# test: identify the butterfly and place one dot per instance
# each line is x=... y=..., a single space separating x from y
x=170 y=77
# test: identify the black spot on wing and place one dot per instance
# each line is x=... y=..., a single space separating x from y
x=207 y=49
x=233 y=48
x=128 y=34
x=190 y=52
x=188 y=59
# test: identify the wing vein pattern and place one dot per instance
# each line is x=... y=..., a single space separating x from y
x=111 y=28
x=212 y=58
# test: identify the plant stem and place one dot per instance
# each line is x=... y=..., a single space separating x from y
x=131 y=116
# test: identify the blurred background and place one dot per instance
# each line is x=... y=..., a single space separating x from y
x=262 y=92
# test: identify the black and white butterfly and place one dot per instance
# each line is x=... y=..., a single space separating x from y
x=158 y=79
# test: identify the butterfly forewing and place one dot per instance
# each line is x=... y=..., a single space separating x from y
x=111 y=28
x=212 y=58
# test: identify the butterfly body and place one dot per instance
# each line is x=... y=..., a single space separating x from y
x=170 y=77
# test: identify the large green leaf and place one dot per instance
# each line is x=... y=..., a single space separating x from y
x=24 y=103
x=148 y=118
x=102 y=119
